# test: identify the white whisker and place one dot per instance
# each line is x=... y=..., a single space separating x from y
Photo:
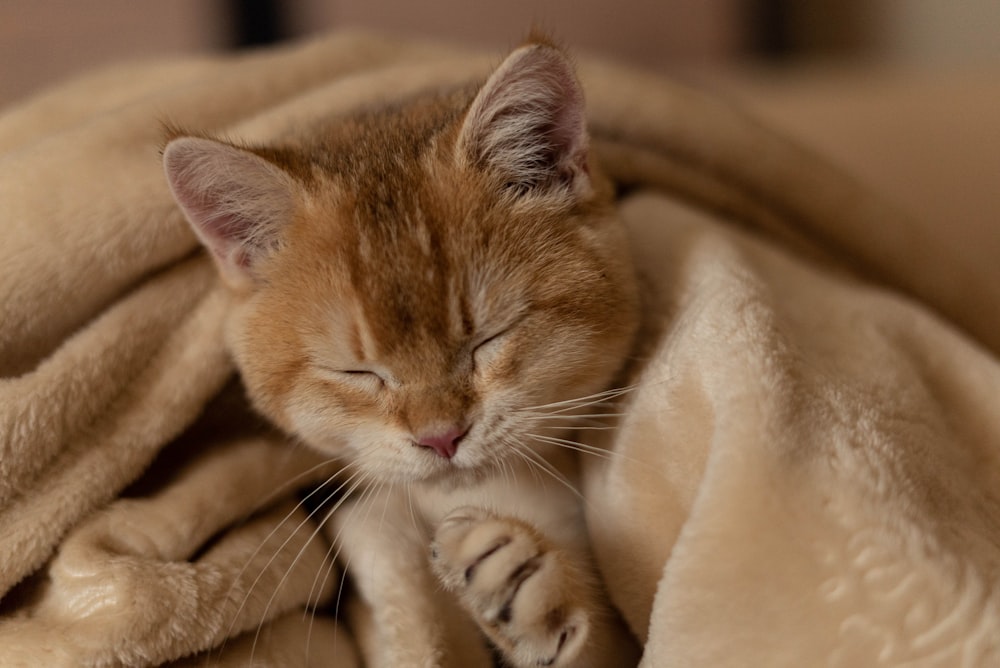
x=298 y=556
x=573 y=445
x=545 y=466
x=409 y=501
x=578 y=427
x=571 y=416
x=585 y=448
x=366 y=499
x=284 y=487
x=514 y=446
x=278 y=526
x=591 y=399
x=369 y=491
x=329 y=563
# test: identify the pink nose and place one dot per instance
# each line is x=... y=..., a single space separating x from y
x=444 y=443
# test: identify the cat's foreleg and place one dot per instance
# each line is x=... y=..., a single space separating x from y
x=410 y=622
x=540 y=605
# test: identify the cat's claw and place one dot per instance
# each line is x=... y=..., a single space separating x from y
x=514 y=583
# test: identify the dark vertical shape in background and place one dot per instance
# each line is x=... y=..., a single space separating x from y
x=770 y=30
x=781 y=31
x=257 y=22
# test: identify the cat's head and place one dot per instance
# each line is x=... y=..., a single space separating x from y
x=415 y=284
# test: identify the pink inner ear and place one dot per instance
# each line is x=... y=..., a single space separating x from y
x=229 y=237
x=568 y=133
x=235 y=201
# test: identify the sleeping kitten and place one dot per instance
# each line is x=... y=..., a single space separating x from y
x=422 y=291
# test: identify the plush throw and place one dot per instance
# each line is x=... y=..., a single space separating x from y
x=806 y=472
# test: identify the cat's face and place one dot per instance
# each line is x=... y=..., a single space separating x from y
x=446 y=313
x=418 y=299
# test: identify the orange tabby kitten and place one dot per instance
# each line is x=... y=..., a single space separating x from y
x=422 y=291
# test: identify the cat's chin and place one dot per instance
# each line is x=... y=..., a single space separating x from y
x=456 y=476
x=445 y=475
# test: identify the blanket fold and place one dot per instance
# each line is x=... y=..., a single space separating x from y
x=822 y=459
x=810 y=443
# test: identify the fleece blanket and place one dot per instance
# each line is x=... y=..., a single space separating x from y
x=805 y=471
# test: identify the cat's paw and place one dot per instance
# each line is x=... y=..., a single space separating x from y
x=524 y=593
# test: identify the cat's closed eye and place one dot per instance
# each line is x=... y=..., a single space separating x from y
x=359 y=378
x=484 y=351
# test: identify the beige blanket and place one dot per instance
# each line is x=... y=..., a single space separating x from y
x=806 y=473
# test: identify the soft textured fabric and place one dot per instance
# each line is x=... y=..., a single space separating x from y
x=804 y=474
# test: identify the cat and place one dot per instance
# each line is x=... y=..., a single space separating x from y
x=431 y=292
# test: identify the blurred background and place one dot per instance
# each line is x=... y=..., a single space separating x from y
x=905 y=93
x=44 y=40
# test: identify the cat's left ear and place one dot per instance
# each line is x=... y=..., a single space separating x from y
x=528 y=125
x=236 y=201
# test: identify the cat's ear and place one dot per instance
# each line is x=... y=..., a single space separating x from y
x=236 y=201
x=528 y=125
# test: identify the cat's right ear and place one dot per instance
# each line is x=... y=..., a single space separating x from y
x=527 y=124
x=236 y=201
